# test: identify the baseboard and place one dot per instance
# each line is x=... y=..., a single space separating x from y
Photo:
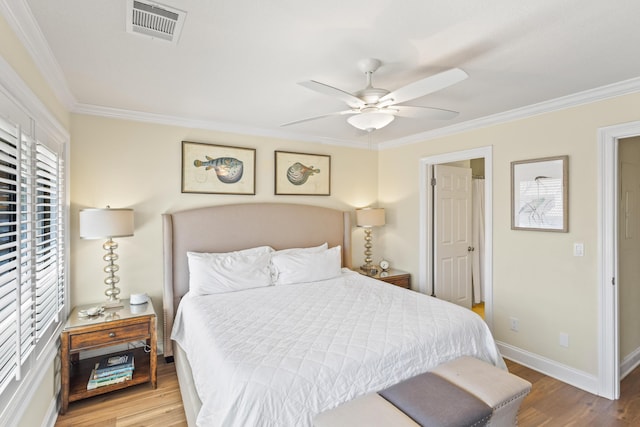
x=564 y=373
x=629 y=363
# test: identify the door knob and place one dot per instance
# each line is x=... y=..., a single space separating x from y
x=471 y=249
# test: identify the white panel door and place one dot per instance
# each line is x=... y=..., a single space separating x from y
x=452 y=234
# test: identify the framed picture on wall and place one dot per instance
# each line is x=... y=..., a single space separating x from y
x=218 y=169
x=540 y=194
x=302 y=174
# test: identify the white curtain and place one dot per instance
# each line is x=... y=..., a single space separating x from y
x=477 y=229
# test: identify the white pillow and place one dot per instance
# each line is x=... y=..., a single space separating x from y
x=212 y=273
x=320 y=248
x=306 y=266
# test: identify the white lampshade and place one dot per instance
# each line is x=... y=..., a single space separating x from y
x=370 y=217
x=106 y=223
x=370 y=121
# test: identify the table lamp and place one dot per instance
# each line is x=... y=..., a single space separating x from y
x=368 y=218
x=108 y=223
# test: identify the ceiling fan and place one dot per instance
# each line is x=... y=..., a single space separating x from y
x=374 y=108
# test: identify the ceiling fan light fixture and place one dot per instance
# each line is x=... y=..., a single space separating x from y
x=370 y=121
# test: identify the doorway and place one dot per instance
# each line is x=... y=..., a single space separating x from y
x=609 y=369
x=629 y=253
x=427 y=248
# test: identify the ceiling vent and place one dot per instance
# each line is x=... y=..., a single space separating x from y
x=154 y=20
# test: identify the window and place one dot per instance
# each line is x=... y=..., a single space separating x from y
x=32 y=246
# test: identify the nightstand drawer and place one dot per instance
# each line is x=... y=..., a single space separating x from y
x=403 y=280
x=392 y=276
x=107 y=336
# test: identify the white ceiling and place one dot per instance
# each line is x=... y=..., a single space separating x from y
x=237 y=62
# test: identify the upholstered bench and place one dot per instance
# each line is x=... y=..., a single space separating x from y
x=431 y=401
x=503 y=391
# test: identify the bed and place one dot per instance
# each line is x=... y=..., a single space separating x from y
x=278 y=355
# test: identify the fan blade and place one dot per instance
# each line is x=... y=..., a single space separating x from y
x=351 y=100
x=424 y=87
x=423 y=112
x=339 y=113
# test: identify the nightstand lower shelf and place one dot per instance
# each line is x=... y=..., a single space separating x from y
x=81 y=370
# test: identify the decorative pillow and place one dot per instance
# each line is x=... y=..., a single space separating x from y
x=306 y=266
x=212 y=273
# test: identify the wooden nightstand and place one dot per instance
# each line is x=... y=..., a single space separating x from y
x=123 y=325
x=393 y=276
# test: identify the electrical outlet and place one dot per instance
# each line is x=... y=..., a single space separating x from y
x=564 y=339
x=578 y=249
x=515 y=324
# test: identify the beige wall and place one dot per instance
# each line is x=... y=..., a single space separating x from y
x=536 y=277
x=131 y=164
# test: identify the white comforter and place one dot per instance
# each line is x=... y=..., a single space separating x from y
x=276 y=356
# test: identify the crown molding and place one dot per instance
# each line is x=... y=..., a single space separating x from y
x=12 y=86
x=24 y=25
x=140 y=116
x=604 y=92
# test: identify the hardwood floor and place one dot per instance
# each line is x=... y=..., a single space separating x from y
x=554 y=403
x=478 y=309
x=550 y=403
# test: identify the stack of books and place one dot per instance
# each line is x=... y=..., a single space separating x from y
x=111 y=370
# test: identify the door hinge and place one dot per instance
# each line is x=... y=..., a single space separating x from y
x=613 y=281
x=433 y=182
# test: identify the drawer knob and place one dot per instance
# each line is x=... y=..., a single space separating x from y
x=112 y=334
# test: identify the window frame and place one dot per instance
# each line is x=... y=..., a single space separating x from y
x=46 y=131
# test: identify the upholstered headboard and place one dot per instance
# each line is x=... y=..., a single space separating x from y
x=228 y=228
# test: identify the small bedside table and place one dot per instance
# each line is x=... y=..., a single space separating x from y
x=392 y=276
x=122 y=325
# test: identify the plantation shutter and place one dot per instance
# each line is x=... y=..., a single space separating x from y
x=9 y=148
x=32 y=249
x=48 y=239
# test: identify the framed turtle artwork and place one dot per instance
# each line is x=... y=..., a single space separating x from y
x=218 y=169
x=302 y=174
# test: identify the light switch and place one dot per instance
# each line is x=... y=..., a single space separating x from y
x=578 y=249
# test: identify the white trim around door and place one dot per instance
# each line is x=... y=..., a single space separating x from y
x=608 y=334
x=426 y=237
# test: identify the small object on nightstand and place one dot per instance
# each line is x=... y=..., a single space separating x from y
x=372 y=271
x=384 y=265
x=91 y=311
x=136 y=299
